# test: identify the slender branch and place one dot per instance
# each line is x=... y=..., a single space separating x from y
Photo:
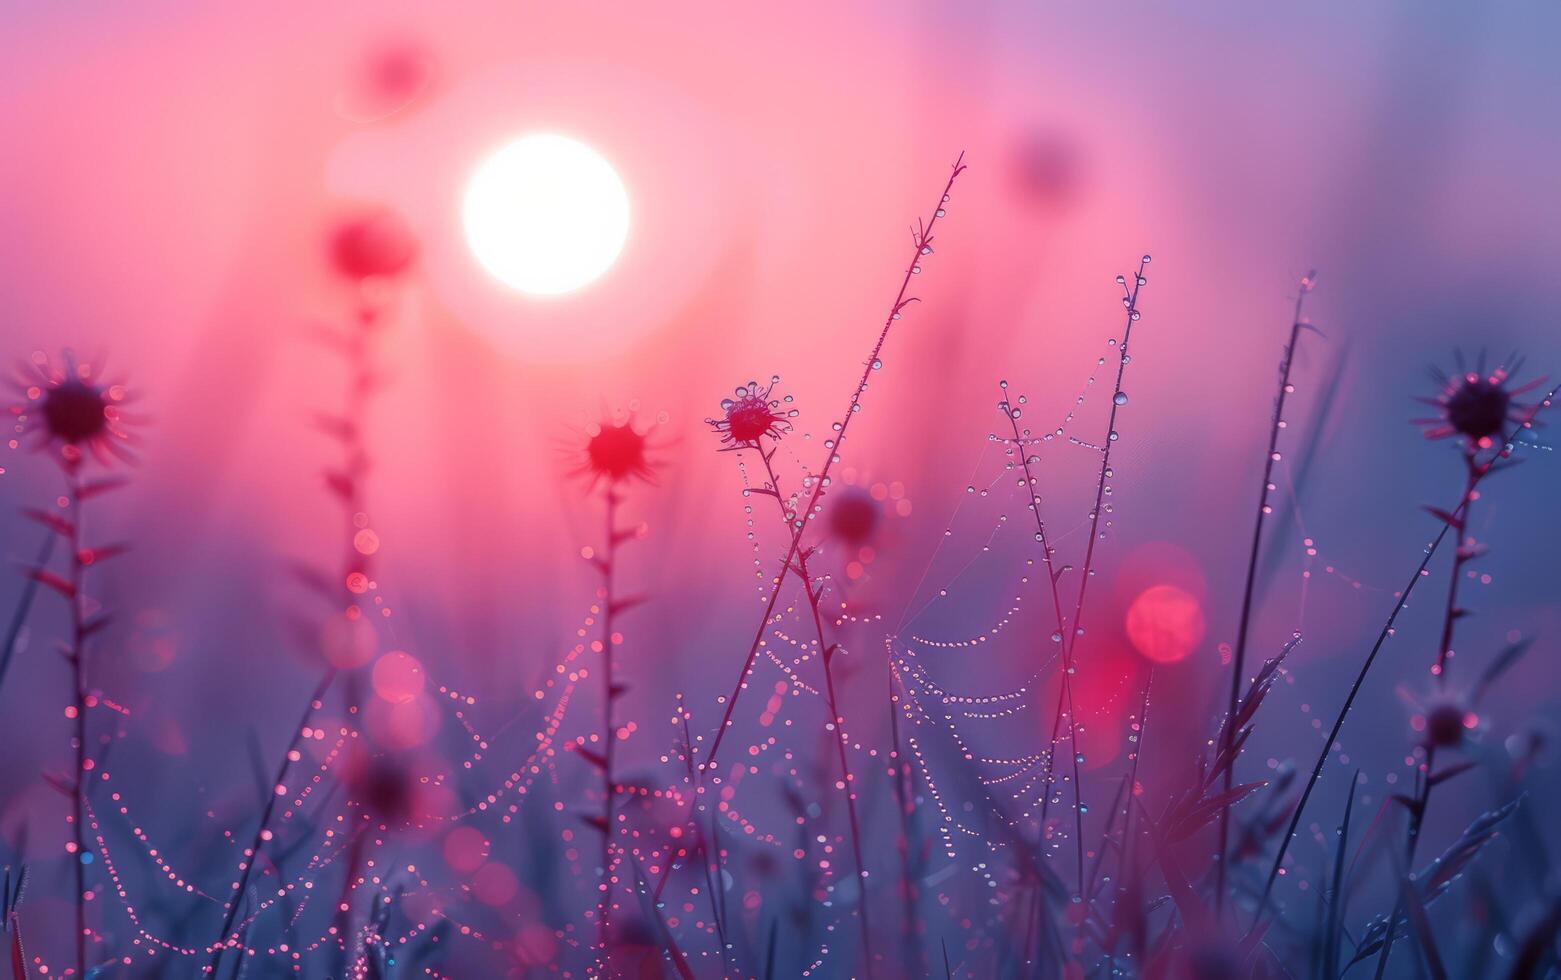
x=836 y=719
x=904 y=786
x=923 y=247
x=1053 y=575
x=1239 y=659
x=609 y=736
x=1450 y=616
x=1371 y=657
x=228 y=938
x=77 y=657
x=1071 y=638
x=349 y=489
x=709 y=847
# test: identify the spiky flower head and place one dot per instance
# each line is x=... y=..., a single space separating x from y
x=69 y=407
x=751 y=414
x=854 y=516
x=615 y=451
x=382 y=784
x=374 y=244
x=1476 y=406
x=1447 y=720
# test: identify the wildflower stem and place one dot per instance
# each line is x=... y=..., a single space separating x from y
x=227 y=938
x=826 y=650
x=349 y=491
x=77 y=656
x=904 y=785
x=1239 y=657
x=1371 y=657
x=1071 y=638
x=709 y=846
x=1053 y=574
x=609 y=735
x=1450 y=616
x=922 y=245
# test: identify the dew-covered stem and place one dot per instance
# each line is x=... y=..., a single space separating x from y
x=77 y=658
x=922 y=246
x=610 y=692
x=1399 y=604
x=904 y=787
x=228 y=938
x=1071 y=637
x=1473 y=472
x=1239 y=656
x=791 y=520
x=1052 y=578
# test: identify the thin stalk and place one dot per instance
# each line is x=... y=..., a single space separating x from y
x=1450 y=616
x=349 y=489
x=1239 y=659
x=228 y=938
x=837 y=720
x=710 y=848
x=77 y=658
x=1053 y=575
x=1132 y=789
x=1330 y=964
x=922 y=237
x=1371 y=657
x=1129 y=833
x=1071 y=638
x=1338 y=723
x=609 y=736
x=342 y=919
x=904 y=785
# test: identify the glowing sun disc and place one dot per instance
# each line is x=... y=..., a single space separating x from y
x=546 y=214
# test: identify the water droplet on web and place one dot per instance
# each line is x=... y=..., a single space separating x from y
x=1120 y=398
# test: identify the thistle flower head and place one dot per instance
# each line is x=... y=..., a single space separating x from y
x=1443 y=719
x=70 y=407
x=614 y=452
x=383 y=786
x=854 y=516
x=1477 y=406
x=1447 y=721
x=373 y=244
x=751 y=414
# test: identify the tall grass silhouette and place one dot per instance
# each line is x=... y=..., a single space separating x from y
x=913 y=833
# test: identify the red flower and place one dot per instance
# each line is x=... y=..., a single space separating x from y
x=1474 y=405
x=854 y=516
x=71 y=407
x=376 y=243
x=615 y=452
x=752 y=415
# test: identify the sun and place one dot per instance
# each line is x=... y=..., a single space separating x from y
x=546 y=214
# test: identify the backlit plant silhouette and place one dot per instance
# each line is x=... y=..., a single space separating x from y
x=78 y=418
x=481 y=850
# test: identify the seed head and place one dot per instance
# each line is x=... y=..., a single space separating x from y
x=69 y=407
x=1475 y=405
x=1446 y=723
x=616 y=452
x=751 y=414
x=853 y=517
x=374 y=244
x=383 y=786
